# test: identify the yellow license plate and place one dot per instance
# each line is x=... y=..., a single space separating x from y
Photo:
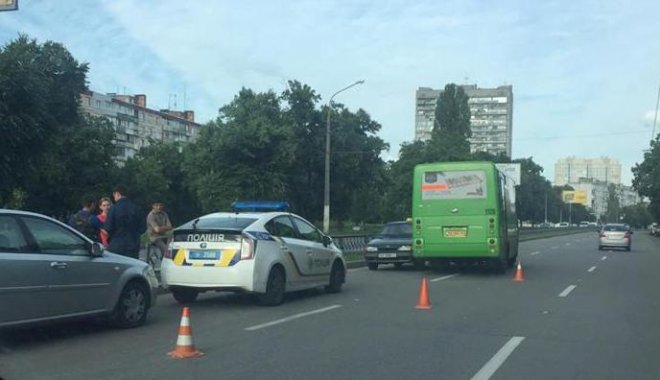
x=455 y=232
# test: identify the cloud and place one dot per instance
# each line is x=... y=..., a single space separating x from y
x=650 y=117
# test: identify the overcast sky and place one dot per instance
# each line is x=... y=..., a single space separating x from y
x=585 y=74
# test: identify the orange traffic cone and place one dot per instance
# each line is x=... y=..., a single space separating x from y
x=519 y=274
x=424 y=303
x=184 y=342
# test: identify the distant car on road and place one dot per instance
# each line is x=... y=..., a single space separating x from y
x=49 y=272
x=392 y=246
x=615 y=235
x=258 y=248
x=562 y=225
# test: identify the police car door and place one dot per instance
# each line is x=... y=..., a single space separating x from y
x=322 y=256
x=298 y=256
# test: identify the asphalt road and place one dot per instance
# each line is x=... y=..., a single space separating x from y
x=579 y=314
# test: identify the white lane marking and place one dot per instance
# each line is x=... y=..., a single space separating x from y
x=535 y=253
x=287 y=319
x=357 y=269
x=591 y=269
x=567 y=244
x=444 y=277
x=603 y=258
x=555 y=247
x=567 y=291
x=496 y=361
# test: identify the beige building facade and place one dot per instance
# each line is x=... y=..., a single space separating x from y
x=137 y=126
x=572 y=170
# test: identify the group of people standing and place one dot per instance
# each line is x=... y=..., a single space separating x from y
x=119 y=226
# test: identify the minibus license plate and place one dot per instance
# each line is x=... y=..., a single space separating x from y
x=455 y=232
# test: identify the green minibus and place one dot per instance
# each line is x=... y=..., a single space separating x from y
x=464 y=213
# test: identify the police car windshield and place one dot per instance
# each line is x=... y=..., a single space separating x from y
x=220 y=222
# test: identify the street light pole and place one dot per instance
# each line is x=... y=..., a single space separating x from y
x=655 y=116
x=326 y=189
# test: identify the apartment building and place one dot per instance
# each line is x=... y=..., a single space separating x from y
x=571 y=170
x=491 y=119
x=137 y=126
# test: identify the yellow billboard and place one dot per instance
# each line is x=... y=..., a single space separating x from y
x=577 y=196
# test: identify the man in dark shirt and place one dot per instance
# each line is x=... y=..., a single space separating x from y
x=82 y=220
x=124 y=225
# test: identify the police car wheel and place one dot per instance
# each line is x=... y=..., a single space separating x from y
x=373 y=266
x=131 y=308
x=184 y=295
x=274 y=294
x=336 y=278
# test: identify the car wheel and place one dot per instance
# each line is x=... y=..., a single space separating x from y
x=628 y=248
x=274 y=294
x=131 y=308
x=372 y=266
x=337 y=275
x=398 y=265
x=600 y=247
x=184 y=295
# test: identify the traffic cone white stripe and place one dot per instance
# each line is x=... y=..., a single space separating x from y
x=184 y=340
x=185 y=321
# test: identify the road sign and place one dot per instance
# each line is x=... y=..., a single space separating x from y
x=575 y=197
x=8 y=5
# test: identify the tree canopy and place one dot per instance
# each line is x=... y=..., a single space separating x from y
x=646 y=177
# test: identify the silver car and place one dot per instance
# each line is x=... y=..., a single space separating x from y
x=49 y=272
x=615 y=235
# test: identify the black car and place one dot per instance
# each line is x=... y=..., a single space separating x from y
x=392 y=246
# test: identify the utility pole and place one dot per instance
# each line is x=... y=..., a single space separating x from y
x=546 y=206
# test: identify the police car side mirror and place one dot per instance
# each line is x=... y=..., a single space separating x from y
x=327 y=240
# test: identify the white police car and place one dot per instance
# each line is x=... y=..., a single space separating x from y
x=253 y=249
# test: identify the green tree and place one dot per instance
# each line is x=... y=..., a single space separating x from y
x=613 y=213
x=646 y=177
x=40 y=86
x=637 y=216
x=306 y=177
x=398 y=197
x=156 y=174
x=245 y=154
x=531 y=192
x=357 y=171
x=452 y=126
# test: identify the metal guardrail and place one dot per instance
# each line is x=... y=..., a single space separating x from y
x=356 y=243
x=351 y=243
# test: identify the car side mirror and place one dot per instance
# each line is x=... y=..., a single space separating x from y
x=327 y=240
x=97 y=250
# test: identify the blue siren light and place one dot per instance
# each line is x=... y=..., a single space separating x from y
x=247 y=206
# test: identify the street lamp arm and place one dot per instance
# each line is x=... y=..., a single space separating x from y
x=344 y=89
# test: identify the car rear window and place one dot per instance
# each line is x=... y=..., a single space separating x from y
x=398 y=229
x=615 y=228
x=220 y=223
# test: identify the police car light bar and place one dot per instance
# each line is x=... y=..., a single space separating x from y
x=246 y=206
